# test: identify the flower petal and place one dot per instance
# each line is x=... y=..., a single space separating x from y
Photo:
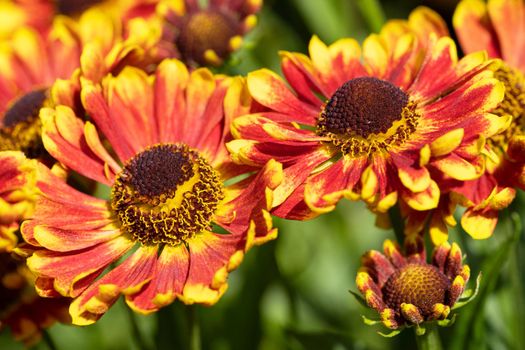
x=127 y=278
x=269 y=90
x=166 y=284
x=212 y=256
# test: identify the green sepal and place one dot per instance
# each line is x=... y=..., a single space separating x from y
x=391 y=334
x=359 y=298
x=420 y=330
x=447 y=322
x=468 y=294
x=370 y=322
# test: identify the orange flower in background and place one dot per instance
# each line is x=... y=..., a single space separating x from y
x=40 y=13
x=27 y=84
x=14 y=14
x=405 y=289
x=17 y=195
x=206 y=35
x=372 y=125
x=169 y=204
x=21 y=309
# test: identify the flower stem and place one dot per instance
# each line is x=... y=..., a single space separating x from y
x=194 y=328
x=136 y=331
x=48 y=340
x=373 y=14
x=397 y=223
x=430 y=340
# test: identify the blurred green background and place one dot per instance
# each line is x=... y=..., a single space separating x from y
x=292 y=293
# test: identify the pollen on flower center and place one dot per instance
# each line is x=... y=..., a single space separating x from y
x=419 y=284
x=206 y=30
x=166 y=194
x=21 y=127
x=367 y=114
x=513 y=103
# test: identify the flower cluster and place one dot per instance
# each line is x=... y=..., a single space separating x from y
x=116 y=95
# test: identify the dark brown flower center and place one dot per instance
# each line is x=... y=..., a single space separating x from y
x=74 y=7
x=363 y=106
x=513 y=103
x=21 y=128
x=367 y=114
x=166 y=194
x=206 y=30
x=420 y=285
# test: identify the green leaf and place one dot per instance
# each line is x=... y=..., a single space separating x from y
x=359 y=298
x=469 y=294
x=370 y=322
x=391 y=334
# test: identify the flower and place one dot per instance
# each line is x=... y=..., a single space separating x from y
x=20 y=308
x=206 y=35
x=24 y=83
x=406 y=290
x=371 y=124
x=27 y=84
x=497 y=27
x=172 y=228
x=17 y=195
x=494 y=190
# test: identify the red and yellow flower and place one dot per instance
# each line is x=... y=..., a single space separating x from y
x=161 y=234
x=371 y=124
x=406 y=290
x=489 y=27
x=498 y=28
x=206 y=35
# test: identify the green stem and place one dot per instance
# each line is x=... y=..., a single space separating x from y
x=430 y=340
x=194 y=328
x=136 y=331
x=48 y=340
x=397 y=223
x=373 y=14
